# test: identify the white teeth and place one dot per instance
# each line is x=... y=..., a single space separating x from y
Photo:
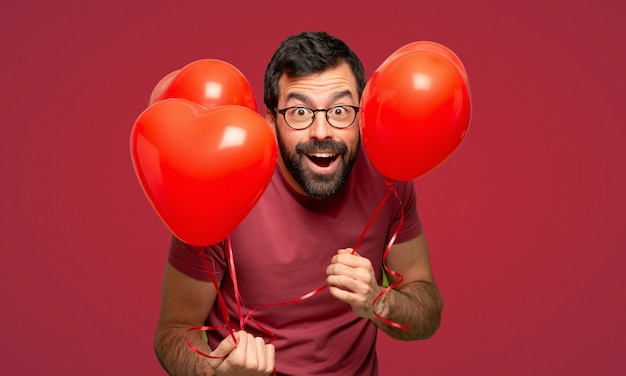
x=322 y=155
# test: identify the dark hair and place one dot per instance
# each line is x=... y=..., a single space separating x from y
x=307 y=53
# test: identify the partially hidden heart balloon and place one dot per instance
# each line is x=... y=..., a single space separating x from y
x=415 y=111
x=202 y=169
x=163 y=84
x=209 y=82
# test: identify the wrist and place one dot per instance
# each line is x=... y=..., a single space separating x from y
x=382 y=304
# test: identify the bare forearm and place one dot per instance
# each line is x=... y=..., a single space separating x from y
x=176 y=357
x=417 y=305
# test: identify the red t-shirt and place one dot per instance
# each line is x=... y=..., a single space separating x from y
x=281 y=251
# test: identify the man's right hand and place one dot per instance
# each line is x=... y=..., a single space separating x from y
x=249 y=356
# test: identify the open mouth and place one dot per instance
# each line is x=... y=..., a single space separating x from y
x=322 y=159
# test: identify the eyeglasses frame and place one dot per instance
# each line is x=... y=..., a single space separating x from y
x=282 y=111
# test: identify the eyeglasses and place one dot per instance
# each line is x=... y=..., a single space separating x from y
x=301 y=117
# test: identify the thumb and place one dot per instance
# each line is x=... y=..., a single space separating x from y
x=223 y=350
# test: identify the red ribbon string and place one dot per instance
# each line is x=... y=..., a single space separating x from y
x=202 y=328
x=220 y=297
x=233 y=274
x=321 y=288
x=371 y=221
x=243 y=320
x=238 y=298
x=389 y=270
x=361 y=237
x=223 y=309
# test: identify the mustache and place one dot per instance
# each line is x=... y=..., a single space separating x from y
x=319 y=146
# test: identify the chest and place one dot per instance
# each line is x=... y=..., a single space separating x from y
x=282 y=248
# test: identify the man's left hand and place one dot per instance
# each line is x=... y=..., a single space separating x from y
x=351 y=279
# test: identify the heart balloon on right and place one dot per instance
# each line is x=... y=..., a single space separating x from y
x=415 y=110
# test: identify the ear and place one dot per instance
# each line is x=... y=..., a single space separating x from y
x=271 y=119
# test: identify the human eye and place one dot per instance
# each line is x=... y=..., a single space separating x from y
x=339 y=112
x=299 y=112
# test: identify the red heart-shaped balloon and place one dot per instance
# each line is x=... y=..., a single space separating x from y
x=209 y=82
x=424 y=45
x=161 y=86
x=415 y=111
x=202 y=169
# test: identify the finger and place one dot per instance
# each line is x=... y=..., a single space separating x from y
x=344 y=251
x=341 y=293
x=270 y=355
x=343 y=283
x=260 y=353
x=222 y=351
x=238 y=356
x=252 y=356
x=337 y=273
x=352 y=260
x=341 y=274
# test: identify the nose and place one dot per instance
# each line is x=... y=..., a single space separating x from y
x=320 y=129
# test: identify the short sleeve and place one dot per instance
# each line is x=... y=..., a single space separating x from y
x=405 y=212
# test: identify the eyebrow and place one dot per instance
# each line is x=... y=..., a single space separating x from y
x=303 y=98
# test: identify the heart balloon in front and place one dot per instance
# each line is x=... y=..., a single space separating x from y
x=202 y=169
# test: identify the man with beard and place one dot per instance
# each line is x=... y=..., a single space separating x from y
x=310 y=292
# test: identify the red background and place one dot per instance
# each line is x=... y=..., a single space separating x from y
x=525 y=221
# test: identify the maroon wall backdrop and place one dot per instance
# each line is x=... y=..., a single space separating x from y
x=525 y=222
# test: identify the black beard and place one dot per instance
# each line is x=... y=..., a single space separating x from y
x=319 y=186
